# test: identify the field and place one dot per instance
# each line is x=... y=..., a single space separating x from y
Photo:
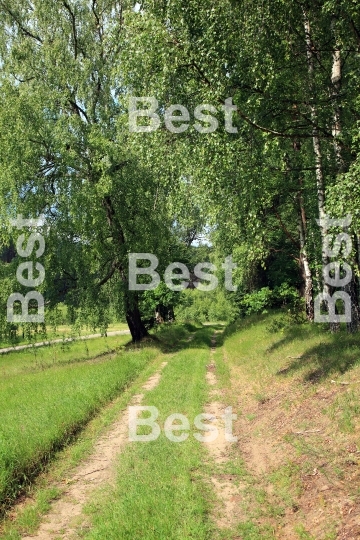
x=291 y=474
x=60 y=331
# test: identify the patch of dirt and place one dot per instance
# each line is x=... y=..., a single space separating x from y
x=65 y=516
x=262 y=454
x=154 y=380
x=285 y=431
x=227 y=491
x=229 y=495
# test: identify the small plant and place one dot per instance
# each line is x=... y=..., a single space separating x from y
x=276 y=325
x=302 y=533
x=261 y=398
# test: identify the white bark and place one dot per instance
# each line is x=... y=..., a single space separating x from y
x=320 y=184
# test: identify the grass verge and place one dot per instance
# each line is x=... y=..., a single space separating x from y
x=294 y=388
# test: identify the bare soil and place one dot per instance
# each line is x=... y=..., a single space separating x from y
x=227 y=511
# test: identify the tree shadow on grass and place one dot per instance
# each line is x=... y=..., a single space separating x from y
x=336 y=356
x=173 y=338
x=244 y=323
x=298 y=332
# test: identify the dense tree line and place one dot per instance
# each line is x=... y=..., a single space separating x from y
x=68 y=70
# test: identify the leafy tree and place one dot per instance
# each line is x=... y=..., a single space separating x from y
x=66 y=151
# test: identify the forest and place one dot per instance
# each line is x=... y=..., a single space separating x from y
x=248 y=180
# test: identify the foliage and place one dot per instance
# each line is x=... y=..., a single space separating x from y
x=204 y=306
x=257 y=301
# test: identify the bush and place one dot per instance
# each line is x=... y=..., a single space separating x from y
x=285 y=294
x=256 y=301
x=204 y=306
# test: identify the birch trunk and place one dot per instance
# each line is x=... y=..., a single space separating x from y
x=352 y=287
x=320 y=183
x=304 y=262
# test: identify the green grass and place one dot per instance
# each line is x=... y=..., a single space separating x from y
x=268 y=358
x=40 y=411
x=40 y=358
x=62 y=330
x=321 y=354
x=163 y=489
x=346 y=410
x=159 y=494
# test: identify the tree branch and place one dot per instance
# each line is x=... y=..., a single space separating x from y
x=68 y=8
x=78 y=110
x=356 y=32
x=20 y=25
x=288 y=234
x=110 y=212
x=109 y=275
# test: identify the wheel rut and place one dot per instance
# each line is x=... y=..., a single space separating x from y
x=228 y=493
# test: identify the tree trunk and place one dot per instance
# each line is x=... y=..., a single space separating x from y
x=304 y=264
x=133 y=318
x=336 y=127
x=336 y=77
x=131 y=303
x=352 y=289
x=320 y=184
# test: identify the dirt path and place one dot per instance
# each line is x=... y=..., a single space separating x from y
x=65 y=516
x=227 y=492
x=60 y=340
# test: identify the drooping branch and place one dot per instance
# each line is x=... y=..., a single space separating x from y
x=21 y=26
x=73 y=23
x=109 y=275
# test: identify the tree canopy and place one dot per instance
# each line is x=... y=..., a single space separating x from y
x=284 y=152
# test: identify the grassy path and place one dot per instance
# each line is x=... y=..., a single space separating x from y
x=160 y=493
